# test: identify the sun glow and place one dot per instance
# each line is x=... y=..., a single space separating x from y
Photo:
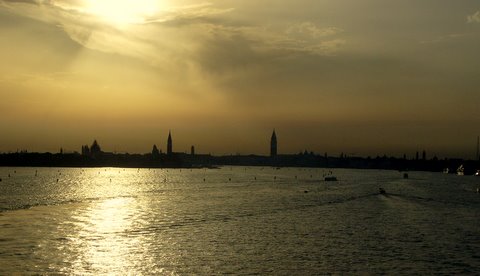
x=123 y=11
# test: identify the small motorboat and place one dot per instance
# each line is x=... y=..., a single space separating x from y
x=477 y=173
x=461 y=170
x=331 y=178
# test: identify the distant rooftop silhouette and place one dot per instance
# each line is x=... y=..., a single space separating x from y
x=273 y=144
x=155 y=151
x=95 y=148
x=169 y=143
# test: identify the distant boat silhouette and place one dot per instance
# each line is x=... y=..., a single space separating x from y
x=331 y=178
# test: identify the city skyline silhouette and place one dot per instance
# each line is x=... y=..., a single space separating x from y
x=272 y=150
x=328 y=78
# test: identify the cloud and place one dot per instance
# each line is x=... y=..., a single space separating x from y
x=474 y=18
x=303 y=38
x=447 y=38
x=179 y=34
x=190 y=14
x=308 y=37
x=20 y=1
x=310 y=30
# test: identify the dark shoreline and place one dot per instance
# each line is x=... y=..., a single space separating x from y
x=181 y=160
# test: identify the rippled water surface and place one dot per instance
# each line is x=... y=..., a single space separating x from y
x=236 y=221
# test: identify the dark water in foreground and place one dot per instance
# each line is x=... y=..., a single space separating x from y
x=238 y=221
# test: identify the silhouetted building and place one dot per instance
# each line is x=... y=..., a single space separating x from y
x=85 y=150
x=169 y=144
x=424 y=155
x=192 y=150
x=273 y=144
x=95 y=148
x=416 y=156
x=155 y=151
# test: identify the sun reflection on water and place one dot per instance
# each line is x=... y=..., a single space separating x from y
x=103 y=238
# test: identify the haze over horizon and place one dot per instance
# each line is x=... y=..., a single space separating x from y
x=368 y=77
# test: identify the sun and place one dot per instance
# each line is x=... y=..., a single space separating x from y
x=122 y=12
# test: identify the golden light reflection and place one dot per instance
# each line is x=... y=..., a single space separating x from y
x=105 y=242
x=111 y=216
x=121 y=12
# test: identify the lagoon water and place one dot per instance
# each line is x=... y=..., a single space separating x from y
x=236 y=220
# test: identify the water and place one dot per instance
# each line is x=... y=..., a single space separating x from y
x=236 y=221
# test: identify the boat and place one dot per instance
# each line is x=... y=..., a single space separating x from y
x=446 y=171
x=382 y=191
x=461 y=170
x=331 y=178
x=477 y=173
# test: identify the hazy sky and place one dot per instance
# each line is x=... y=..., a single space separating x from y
x=363 y=77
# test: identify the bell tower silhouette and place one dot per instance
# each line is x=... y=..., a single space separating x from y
x=169 y=144
x=273 y=144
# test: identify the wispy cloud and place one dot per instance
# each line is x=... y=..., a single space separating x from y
x=474 y=18
x=179 y=34
x=188 y=14
x=297 y=38
x=310 y=30
x=308 y=37
x=447 y=38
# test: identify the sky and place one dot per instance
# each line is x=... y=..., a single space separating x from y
x=365 y=78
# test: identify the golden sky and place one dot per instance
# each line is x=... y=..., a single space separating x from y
x=362 y=77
